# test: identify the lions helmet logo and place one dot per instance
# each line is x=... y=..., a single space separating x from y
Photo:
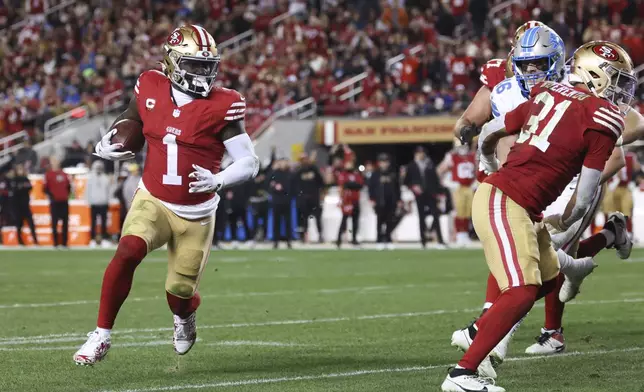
x=606 y=52
x=175 y=38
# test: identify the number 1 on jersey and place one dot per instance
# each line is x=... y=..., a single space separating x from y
x=171 y=178
x=540 y=140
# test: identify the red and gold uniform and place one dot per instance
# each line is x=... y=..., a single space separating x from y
x=463 y=167
x=163 y=210
x=561 y=128
x=621 y=198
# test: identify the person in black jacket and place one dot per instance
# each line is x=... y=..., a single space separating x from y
x=422 y=179
x=21 y=187
x=259 y=204
x=220 y=219
x=307 y=187
x=279 y=183
x=237 y=197
x=384 y=193
x=6 y=194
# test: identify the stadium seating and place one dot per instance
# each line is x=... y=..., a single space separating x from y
x=406 y=59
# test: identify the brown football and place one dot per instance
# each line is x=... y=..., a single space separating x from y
x=130 y=134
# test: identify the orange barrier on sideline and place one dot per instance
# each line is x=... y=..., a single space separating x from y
x=79 y=224
x=79 y=216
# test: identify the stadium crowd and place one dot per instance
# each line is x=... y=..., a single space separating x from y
x=84 y=51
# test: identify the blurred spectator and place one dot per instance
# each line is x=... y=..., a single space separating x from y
x=58 y=188
x=5 y=197
x=220 y=220
x=384 y=193
x=237 y=201
x=131 y=183
x=279 y=182
x=97 y=192
x=350 y=182
x=259 y=205
x=74 y=155
x=307 y=187
x=423 y=181
x=27 y=157
x=21 y=188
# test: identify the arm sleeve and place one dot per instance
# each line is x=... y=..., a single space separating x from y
x=599 y=146
x=515 y=119
x=586 y=188
x=245 y=162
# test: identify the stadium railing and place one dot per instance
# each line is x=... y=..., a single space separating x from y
x=502 y=7
x=301 y=110
x=112 y=101
x=57 y=124
x=247 y=38
x=10 y=144
x=50 y=10
x=354 y=84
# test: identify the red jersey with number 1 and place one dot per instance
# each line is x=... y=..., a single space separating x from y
x=179 y=137
x=464 y=168
x=561 y=129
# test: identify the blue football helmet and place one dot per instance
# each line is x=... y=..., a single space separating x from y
x=538 y=56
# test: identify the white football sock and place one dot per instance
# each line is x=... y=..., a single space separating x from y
x=103 y=331
x=566 y=262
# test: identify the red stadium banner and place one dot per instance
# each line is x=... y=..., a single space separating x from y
x=387 y=130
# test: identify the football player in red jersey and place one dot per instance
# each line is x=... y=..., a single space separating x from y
x=563 y=130
x=188 y=124
x=479 y=110
x=621 y=197
x=462 y=163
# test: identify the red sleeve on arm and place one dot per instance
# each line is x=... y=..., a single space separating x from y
x=515 y=119
x=599 y=146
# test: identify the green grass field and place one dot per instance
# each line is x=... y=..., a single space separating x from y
x=305 y=321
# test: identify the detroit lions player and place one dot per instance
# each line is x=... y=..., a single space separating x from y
x=540 y=56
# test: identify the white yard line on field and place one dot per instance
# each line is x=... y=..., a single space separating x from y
x=354 y=373
x=28 y=339
x=230 y=295
x=166 y=342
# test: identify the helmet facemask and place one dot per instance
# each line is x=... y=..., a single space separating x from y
x=194 y=75
x=621 y=89
x=533 y=70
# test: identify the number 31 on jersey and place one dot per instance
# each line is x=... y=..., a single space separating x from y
x=540 y=139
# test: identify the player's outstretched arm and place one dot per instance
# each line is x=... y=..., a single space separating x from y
x=476 y=114
x=634 y=127
x=614 y=164
x=244 y=167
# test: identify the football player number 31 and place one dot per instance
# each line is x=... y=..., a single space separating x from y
x=540 y=139
x=171 y=178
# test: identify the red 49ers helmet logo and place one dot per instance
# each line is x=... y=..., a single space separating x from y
x=606 y=52
x=175 y=38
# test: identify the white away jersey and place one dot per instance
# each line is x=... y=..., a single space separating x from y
x=507 y=95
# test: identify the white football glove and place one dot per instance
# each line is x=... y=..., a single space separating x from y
x=206 y=181
x=488 y=164
x=554 y=224
x=106 y=150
